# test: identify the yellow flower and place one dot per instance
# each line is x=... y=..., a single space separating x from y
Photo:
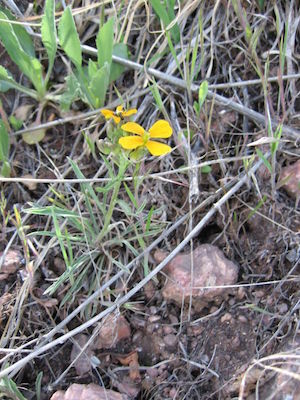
x=119 y=114
x=160 y=130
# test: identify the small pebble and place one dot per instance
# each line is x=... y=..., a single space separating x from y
x=241 y=293
x=197 y=330
x=150 y=328
x=242 y=319
x=226 y=318
x=259 y=294
x=149 y=290
x=154 y=318
x=168 y=329
x=232 y=302
x=283 y=308
x=173 y=319
x=137 y=336
x=152 y=372
x=170 y=340
x=236 y=342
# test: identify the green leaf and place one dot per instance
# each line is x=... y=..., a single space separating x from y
x=206 y=169
x=105 y=42
x=38 y=385
x=116 y=70
x=16 y=123
x=7 y=82
x=68 y=37
x=4 y=142
x=8 y=387
x=30 y=66
x=21 y=33
x=71 y=94
x=92 y=68
x=48 y=31
x=99 y=84
x=125 y=207
x=196 y=107
x=264 y=160
x=157 y=97
x=5 y=169
x=202 y=93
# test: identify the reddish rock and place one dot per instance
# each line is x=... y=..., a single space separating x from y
x=111 y=330
x=290 y=179
x=81 y=354
x=210 y=268
x=11 y=263
x=170 y=340
x=90 y=392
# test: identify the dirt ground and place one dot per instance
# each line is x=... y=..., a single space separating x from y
x=244 y=344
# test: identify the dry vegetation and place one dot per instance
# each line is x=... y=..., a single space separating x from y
x=214 y=188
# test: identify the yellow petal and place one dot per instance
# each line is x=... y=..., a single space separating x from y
x=107 y=113
x=120 y=108
x=161 y=129
x=116 y=118
x=131 y=142
x=158 y=149
x=129 y=112
x=133 y=127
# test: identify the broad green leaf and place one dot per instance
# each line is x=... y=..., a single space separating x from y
x=105 y=42
x=116 y=70
x=4 y=142
x=30 y=66
x=71 y=93
x=7 y=82
x=68 y=37
x=48 y=31
x=99 y=85
x=5 y=169
x=92 y=68
x=202 y=93
x=21 y=33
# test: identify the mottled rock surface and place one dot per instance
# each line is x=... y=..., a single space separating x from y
x=87 y=392
x=290 y=177
x=111 y=330
x=210 y=268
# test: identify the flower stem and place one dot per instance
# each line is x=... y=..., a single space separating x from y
x=122 y=169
